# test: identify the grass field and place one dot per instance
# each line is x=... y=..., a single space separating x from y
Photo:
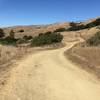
x=87 y=58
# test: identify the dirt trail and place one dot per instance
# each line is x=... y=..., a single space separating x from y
x=48 y=75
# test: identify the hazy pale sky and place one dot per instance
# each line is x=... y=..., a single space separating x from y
x=29 y=12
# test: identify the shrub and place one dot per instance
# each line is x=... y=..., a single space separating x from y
x=40 y=34
x=30 y=37
x=95 y=40
x=47 y=38
x=2 y=34
x=12 y=34
x=73 y=24
x=60 y=30
x=75 y=27
x=47 y=33
x=8 y=41
x=21 y=31
x=27 y=37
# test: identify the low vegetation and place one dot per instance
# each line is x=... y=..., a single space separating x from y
x=2 y=34
x=21 y=31
x=60 y=30
x=41 y=39
x=27 y=37
x=8 y=40
x=46 y=39
x=75 y=26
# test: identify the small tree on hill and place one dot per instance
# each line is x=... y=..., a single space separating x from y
x=12 y=34
x=21 y=30
x=2 y=34
x=73 y=24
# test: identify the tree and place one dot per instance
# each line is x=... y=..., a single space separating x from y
x=73 y=24
x=27 y=37
x=2 y=34
x=21 y=30
x=60 y=30
x=12 y=34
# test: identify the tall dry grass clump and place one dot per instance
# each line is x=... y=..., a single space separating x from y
x=8 y=53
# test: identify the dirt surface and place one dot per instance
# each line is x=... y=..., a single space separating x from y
x=48 y=75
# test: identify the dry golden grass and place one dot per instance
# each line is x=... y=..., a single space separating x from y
x=87 y=58
x=7 y=54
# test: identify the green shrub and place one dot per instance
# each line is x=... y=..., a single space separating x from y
x=12 y=34
x=60 y=30
x=2 y=34
x=47 y=38
x=27 y=37
x=8 y=41
x=40 y=34
x=75 y=27
x=21 y=31
x=41 y=39
x=73 y=24
x=47 y=33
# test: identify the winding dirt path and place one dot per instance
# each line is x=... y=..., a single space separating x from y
x=48 y=75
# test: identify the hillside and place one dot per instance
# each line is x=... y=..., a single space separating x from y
x=35 y=29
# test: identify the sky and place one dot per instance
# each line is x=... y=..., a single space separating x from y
x=34 y=12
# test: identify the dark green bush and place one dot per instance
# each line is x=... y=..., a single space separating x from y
x=40 y=34
x=2 y=34
x=12 y=34
x=47 y=33
x=27 y=37
x=41 y=39
x=73 y=24
x=8 y=41
x=95 y=40
x=21 y=31
x=47 y=38
x=94 y=23
x=75 y=27
x=60 y=30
